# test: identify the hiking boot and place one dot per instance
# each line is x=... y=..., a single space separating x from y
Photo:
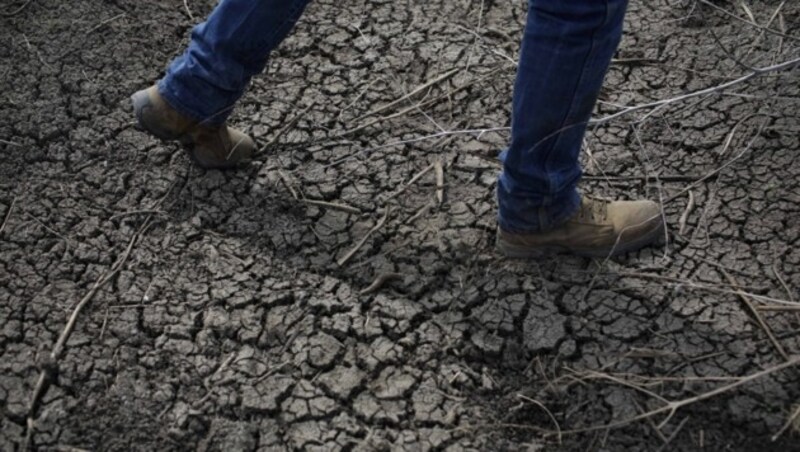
x=598 y=229
x=210 y=146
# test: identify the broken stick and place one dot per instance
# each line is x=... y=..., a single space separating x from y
x=344 y=259
x=379 y=281
x=439 y=181
x=756 y=314
x=49 y=369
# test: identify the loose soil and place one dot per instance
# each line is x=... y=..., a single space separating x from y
x=232 y=327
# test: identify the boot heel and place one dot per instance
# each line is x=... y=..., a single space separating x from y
x=141 y=104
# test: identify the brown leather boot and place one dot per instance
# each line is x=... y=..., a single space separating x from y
x=210 y=146
x=599 y=228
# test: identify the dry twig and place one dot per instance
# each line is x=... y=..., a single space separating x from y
x=718 y=169
x=686 y=213
x=332 y=205
x=413 y=93
x=188 y=11
x=10 y=143
x=749 y=22
x=439 y=181
x=672 y=407
x=379 y=281
x=286 y=127
x=344 y=259
x=756 y=315
x=16 y=11
x=786 y=65
x=673 y=435
x=782 y=281
x=422 y=211
x=774 y=308
x=415 y=107
x=788 y=424
x=48 y=370
x=314 y=202
x=8 y=215
x=105 y=22
x=405 y=187
x=544 y=408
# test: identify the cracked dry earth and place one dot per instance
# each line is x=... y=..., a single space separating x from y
x=231 y=326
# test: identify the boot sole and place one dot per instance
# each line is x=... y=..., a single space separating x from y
x=525 y=252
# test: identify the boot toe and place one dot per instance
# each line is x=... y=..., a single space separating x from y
x=235 y=149
x=243 y=146
x=637 y=221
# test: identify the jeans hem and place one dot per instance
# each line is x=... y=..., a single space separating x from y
x=569 y=208
x=174 y=101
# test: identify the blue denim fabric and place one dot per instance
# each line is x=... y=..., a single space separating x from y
x=226 y=50
x=566 y=49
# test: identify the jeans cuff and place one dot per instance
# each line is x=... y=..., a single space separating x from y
x=532 y=215
x=172 y=95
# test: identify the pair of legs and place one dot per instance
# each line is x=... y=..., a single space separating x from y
x=566 y=50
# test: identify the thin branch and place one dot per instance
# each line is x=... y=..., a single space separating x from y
x=782 y=281
x=415 y=107
x=788 y=424
x=188 y=11
x=413 y=93
x=749 y=22
x=673 y=435
x=439 y=169
x=10 y=143
x=478 y=132
x=8 y=215
x=729 y=53
x=344 y=259
x=405 y=187
x=604 y=376
x=16 y=11
x=422 y=211
x=717 y=170
x=288 y=185
x=676 y=282
x=332 y=205
x=710 y=90
x=105 y=22
x=685 y=216
x=644 y=177
x=544 y=408
x=314 y=202
x=757 y=315
x=672 y=407
x=379 y=281
x=48 y=370
x=773 y=308
x=286 y=127
x=597 y=121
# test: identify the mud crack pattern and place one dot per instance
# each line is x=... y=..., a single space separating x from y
x=231 y=326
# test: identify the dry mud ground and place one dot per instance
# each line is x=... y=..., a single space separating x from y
x=230 y=325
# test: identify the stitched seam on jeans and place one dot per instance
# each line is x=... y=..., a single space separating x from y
x=561 y=130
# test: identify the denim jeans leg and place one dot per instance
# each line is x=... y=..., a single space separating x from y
x=566 y=50
x=225 y=51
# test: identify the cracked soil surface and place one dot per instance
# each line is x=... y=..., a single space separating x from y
x=231 y=326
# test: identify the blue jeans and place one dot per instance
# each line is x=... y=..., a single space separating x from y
x=566 y=50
